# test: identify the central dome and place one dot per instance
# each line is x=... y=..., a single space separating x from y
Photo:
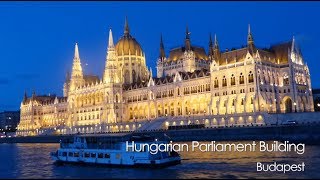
x=128 y=44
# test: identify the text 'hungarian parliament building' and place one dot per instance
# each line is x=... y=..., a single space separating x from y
x=219 y=88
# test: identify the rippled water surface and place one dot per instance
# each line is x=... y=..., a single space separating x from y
x=33 y=161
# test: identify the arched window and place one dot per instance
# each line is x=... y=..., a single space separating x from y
x=233 y=102
x=241 y=79
x=117 y=98
x=216 y=83
x=233 y=80
x=133 y=76
x=286 y=80
x=242 y=101
x=251 y=100
x=224 y=81
x=126 y=76
x=250 y=77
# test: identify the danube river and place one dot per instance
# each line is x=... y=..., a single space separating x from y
x=33 y=161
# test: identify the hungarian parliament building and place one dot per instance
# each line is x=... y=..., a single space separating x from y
x=234 y=87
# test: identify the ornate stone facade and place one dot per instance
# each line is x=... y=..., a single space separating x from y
x=219 y=88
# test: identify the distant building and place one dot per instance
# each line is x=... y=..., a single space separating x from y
x=316 y=99
x=9 y=120
x=217 y=88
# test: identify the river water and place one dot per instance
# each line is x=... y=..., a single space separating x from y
x=33 y=161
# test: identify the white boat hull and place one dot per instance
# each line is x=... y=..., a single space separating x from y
x=79 y=151
x=150 y=164
x=124 y=160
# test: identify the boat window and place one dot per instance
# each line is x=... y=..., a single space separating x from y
x=86 y=154
x=107 y=156
x=93 y=155
x=76 y=154
x=100 y=155
x=64 y=153
x=70 y=154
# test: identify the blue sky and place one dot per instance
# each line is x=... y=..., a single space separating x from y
x=37 y=38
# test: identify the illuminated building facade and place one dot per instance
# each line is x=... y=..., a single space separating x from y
x=218 y=88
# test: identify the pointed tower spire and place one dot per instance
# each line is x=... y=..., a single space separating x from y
x=25 y=97
x=76 y=73
x=250 y=38
x=187 y=40
x=210 y=47
x=162 y=54
x=76 y=68
x=187 y=33
x=250 y=43
x=76 y=52
x=216 y=45
x=293 y=44
x=34 y=93
x=210 y=41
x=126 y=27
x=110 y=71
x=110 y=42
x=216 y=50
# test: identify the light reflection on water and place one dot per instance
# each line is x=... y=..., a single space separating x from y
x=33 y=161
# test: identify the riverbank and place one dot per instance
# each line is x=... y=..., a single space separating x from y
x=305 y=133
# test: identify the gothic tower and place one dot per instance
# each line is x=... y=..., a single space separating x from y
x=250 y=42
x=161 y=59
x=189 y=58
x=76 y=74
x=214 y=51
x=111 y=72
x=113 y=108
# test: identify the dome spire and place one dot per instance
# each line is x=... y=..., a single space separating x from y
x=126 y=27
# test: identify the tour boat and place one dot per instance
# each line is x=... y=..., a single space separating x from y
x=95 y=150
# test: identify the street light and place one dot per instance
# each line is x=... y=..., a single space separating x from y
x=295 y=106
